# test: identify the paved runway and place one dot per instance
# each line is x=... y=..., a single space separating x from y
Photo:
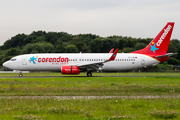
x=60 y=76
x=83 y=76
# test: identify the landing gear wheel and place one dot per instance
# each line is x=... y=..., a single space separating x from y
x=20 y=75
x=89 y=74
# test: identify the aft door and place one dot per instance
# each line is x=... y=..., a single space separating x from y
x=142 y=60
x=24 y=60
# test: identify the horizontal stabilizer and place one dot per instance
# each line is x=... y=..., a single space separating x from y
x=168 y=54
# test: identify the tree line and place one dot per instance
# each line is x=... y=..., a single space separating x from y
x=62 y=42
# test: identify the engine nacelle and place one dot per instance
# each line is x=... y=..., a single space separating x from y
x=70 y=70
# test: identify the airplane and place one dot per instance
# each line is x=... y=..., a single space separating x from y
x=74 y=63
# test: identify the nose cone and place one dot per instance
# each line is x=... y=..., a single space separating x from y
x=6 y=64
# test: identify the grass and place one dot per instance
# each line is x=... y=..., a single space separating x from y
x=165 y=114
x=15 y=108
x=89 y=109
x=90 y=86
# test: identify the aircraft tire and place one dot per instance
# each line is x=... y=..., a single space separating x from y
x=89 y=74
x=20 y=75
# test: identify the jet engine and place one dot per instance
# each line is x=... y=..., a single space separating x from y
x=70 y=70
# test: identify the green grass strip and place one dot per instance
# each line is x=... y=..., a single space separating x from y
x=90 y=86
x=91 y=109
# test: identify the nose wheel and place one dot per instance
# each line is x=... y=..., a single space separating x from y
x=20 y=75
x=89 y=74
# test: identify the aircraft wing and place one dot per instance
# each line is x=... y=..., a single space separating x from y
x=91 y=65
x=96 y=65
x=168 y=54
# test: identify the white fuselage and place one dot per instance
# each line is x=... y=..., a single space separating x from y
x=54 y=62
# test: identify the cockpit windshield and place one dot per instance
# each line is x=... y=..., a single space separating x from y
x=13 y=59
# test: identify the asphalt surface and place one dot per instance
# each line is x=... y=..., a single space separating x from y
x=60 y=76
x=82 y=76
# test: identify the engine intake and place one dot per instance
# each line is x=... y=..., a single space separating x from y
x=70 y=70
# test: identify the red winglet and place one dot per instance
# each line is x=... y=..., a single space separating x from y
x=113 y=55
x=111 y=51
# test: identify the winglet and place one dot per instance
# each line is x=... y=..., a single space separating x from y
x=111 y=51
x=113 y=55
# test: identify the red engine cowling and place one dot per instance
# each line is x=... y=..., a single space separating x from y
x=70 y=70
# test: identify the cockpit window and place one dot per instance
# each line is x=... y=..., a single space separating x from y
x=13 y=59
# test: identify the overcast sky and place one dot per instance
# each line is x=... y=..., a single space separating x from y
x=135 y=18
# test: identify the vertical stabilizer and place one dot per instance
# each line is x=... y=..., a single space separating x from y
x=159 y=45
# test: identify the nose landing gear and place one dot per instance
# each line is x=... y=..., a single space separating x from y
x=20 y=75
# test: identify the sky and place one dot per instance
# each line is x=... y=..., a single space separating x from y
x=133 y=18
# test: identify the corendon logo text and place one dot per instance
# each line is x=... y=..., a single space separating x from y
x=50 y=59
x=164 y=35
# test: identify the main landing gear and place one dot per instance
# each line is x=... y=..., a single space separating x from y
x=89 y=74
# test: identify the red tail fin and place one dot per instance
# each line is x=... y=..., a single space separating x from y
x=159 y=45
